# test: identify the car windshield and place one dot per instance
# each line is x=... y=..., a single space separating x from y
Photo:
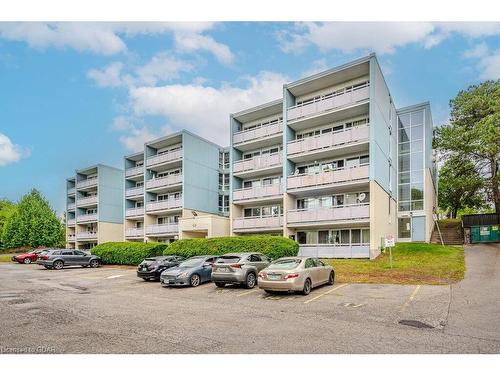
x=285 y=264
x=194 y=262
x=228 y=259
x=151 y=260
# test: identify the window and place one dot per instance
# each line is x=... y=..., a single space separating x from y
x=318 y=263
x=355 y=236
x=309 y=263
x=404 y=227
x=255 y=258
x=323 y=236
x=301 y=237
x=66 y=253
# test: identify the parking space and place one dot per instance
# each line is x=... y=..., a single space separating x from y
x=110 y=309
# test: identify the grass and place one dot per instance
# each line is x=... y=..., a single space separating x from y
x=5 y=257
x=413 y=263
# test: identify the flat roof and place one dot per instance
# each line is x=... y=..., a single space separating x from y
x=262 y=110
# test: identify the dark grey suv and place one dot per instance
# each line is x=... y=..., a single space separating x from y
x=59 y=258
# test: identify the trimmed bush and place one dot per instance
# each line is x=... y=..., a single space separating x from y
x=129 y=253
x=273 y=246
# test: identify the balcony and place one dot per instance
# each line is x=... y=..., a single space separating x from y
x=131 y=212
x=86 y=236
x=134 y=232
x=162 y=230
x=71 y=237
x=134 y=192
x=71 y=191
x=71 y=206
x=89 y=182
x=256 y=134
x=266 y=161
x=329 y=178
x=71 y=222
x=163 y=182
x=261 y=192
x=329 y=103
x=167 y=157
x=335 y=251
x=258 y=224
x=315 y=216
x=168 y=204
x=87 y=201
x=326 y=143
x=135 y=171
x=86 y=218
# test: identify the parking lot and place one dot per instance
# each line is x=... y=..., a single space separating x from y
x=110 y=310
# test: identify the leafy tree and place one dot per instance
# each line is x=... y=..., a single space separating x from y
x=474 y=134
x=7 y=208
x=32 y=224
x=460 y=186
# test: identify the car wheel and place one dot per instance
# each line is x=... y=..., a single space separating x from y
x=194 y=280
x=27 y=260
x=307 y=287
x=250 y=280
x=331 y=279
x=94 y=263
x=220 y=284
x=58 y=265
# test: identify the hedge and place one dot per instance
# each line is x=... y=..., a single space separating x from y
x=272 y=246
x=130 y=253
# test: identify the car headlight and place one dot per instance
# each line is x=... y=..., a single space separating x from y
x=183 y=274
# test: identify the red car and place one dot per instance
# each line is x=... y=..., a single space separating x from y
x=26 y=258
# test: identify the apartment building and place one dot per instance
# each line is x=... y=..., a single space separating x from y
x=177 y=187
x=320 y=165
x=94 y=206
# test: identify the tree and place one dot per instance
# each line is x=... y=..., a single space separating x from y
x=7 y=208
x=460 y=186
x=474 y=134
x=32 y=224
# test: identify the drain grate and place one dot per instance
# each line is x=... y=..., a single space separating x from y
x=415 y=323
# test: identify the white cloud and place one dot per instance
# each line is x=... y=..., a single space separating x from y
x=488 y=62
x=189 y=42
x=10 y=152
x=381 y=37
x=136 y=136
x=317 y=66
x=109 y=76
x=162 y=67
x=205 y=109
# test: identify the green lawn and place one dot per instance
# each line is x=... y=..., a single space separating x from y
x=5 y=257
x=413 y=263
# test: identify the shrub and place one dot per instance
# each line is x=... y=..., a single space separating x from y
x=130 y=253
x=272 y=246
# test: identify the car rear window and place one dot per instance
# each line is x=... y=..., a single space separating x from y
x=285 y=264
x=228 y=259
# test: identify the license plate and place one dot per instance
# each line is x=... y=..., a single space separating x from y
x=274 y=277
x=222 y=269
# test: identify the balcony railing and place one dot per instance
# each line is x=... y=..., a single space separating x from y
x=137 y=211
x=135 y=171
x=86 y=183
x=329 y=214
x=329 y=140
x=71 y=222
x=133 y=192
x=71 y=206
x=257 y=133
x=86 y=235
x=258 y=162
x=326 y=178
x=164 y=205
x=328 y=103
x=173 y=179
x=86 y=201
x=164 y=158
x=134 y=232
x=265 y=191
x=86 y=218
x=71 y=191
x=335 y=250
x=162 y=229
x=256 y=223
x=71 y=237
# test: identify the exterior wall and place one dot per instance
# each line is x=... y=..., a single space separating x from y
x=109 y=232
x=382 y=222
x=203 y=225
x=110 y=194
x=430 y=204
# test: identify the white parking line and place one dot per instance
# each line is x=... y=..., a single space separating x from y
x=324 y=294
x=244 y=294
x=113 y=276
x=412 y=296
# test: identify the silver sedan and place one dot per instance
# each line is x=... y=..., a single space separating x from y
x=295 y=274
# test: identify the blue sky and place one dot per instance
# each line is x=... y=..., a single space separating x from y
x=77 y=94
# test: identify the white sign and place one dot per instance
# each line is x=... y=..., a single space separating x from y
x=389 y=240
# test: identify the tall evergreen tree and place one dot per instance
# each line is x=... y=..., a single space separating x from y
x=33 y=224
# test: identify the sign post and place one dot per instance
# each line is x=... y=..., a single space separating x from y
x=389 y=242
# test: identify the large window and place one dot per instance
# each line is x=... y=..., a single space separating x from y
x=411 y=161
x=358 y=236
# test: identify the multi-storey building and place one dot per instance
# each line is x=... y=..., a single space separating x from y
x=94 y=206
x=320 y=165
x=176 y=188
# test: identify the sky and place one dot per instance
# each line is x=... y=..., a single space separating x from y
x=78 y=94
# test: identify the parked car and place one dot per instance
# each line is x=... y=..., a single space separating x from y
x=151 y=268
x=295 y=274
x=192 y=272
x=239 y=268
x=59 y=258
x=26 y=258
